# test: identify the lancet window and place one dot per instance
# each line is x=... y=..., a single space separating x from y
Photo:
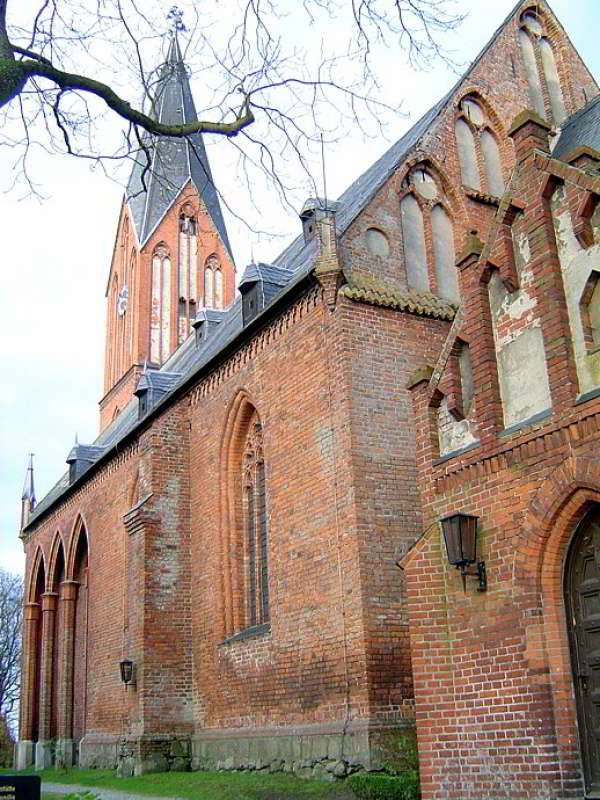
x=255 y=526
x=428 y=236
x=540 y=68
x=188 y=271
x=213 y=283
x=478 y=151
x=160 y=319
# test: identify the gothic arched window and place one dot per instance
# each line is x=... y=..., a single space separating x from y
x=443 y=250
x=160 y=314
x=477 y=144
x=188 y=271
x=540 y=67
x=428 y=236
x=413 y=235
x=245 y=568
x=255 y=526
x=211 y=268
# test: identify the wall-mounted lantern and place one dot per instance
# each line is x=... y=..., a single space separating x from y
x=126 y=667
x=460 y=534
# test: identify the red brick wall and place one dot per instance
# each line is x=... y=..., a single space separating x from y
x=493 y=682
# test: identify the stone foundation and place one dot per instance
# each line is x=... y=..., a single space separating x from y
x=24 y=754
x=45 y=754
x=313 y=751
x=99 y=751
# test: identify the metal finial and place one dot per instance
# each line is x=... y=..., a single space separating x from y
x=175 y=19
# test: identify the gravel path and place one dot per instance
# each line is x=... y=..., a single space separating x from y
x=105 y=794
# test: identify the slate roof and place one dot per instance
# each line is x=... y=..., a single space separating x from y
x=581 y=129
x=297 y=261
x=174 y=161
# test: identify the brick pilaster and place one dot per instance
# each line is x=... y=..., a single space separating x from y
x=31 y=620
x=68 y=600
x=49 y=601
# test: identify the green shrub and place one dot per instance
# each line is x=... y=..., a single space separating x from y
x=385 y=787
x=83 y=796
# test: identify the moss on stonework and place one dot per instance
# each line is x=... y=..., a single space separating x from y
x=12 y=79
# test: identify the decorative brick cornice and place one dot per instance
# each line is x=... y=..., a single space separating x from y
x=87 y=486
x=264 y=337
x=535 y=439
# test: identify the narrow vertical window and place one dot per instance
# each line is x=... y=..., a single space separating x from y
x=467 y=155
x=552 y=81
x=465 y=367
x=493 y=167
x=531 y=71
x=208 y=287
x=155 y=310
x=415 y=253
x=218 y=289
x=165 y=345
x=188 y=274
x=160 y=313
x=255 y=525
x=443 y=250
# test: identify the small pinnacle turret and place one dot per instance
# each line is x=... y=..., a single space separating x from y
x=28 y=496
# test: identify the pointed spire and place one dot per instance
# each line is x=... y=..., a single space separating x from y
x=28 y=487
x=175 y=161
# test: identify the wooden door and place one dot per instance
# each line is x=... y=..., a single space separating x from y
x=582 y=596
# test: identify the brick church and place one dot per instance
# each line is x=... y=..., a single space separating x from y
x=361 y=492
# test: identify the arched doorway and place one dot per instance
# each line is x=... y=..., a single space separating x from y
x=582 y=599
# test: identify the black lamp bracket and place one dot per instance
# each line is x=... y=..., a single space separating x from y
x=478 y=573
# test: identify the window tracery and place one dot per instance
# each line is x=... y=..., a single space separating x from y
x=255 y=527
x=428 y=236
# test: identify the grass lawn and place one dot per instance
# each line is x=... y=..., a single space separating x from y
x=203 y=785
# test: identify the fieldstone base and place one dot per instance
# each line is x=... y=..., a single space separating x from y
x=161 y=753
x=99 y=751
x=313 y=751
x=24 y=754
x=44 y=754
x=65 y=753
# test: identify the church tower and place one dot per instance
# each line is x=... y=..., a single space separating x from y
x=171 y=255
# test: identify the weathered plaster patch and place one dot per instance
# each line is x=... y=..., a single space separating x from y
x=454 y=434
x=520 y=354
x=523 y=376
x=576 y=266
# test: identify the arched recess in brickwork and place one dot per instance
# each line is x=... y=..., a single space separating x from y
x=33 y=648
x=244 y=536
x=56 y=578
x=75 y=641
x=428 y=210
x=538 y=52
x=37 y=574
x=479 y=133
x=558 y=507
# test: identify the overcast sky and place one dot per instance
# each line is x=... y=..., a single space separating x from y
x=57 y=255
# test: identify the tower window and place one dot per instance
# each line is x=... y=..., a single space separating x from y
x=160 y=314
